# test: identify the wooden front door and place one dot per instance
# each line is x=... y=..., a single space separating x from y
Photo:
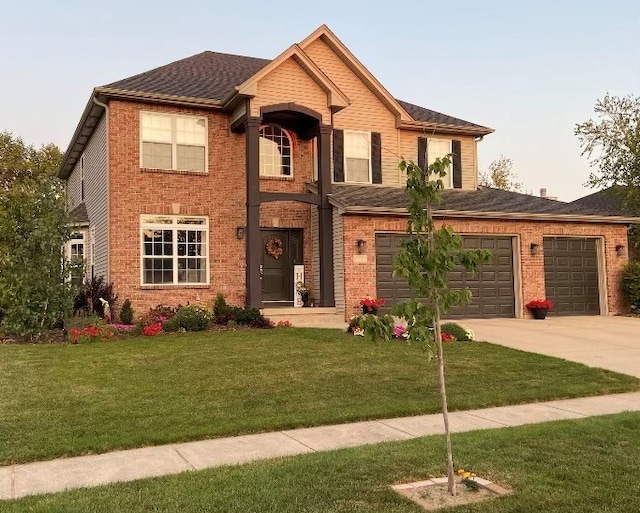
x=281 y=250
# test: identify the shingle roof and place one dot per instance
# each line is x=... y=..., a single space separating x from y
x=79 y=214
x=431 y=116
x=484 y=199
x=212 y=75
x=209 y=75
x=610 y=199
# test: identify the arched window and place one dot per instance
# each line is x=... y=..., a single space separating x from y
x=275 y=151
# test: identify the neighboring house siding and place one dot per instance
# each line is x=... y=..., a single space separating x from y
x=95 y=194
x=290 y=83
x=360 y=280
x=365 y=112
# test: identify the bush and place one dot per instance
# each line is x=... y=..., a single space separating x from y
x=194 y=317
x=222 y=312
x=172 y=325
x=160 y=313
x=262 y=323
x=457 y=331
x=126 y=313
x=87 y=301
x=631 y=285
x=245 y=316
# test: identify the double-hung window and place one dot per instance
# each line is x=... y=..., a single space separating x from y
x=173 y=142
x=174 y=250
x=357 y=156
x=437 y=149
x=75 y=253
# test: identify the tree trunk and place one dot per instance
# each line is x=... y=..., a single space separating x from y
x=443 y=398
x=443 y=389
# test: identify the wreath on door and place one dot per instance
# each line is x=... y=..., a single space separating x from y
x=274 y=248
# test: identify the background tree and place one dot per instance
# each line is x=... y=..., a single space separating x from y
x=500 y=175
x=611 y=142
x=426 y=258
x=34 y=288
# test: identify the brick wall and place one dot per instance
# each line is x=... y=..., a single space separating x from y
x=360 y=278
x=220 y=195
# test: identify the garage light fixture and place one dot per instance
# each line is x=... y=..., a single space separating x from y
x=362 y=246
x=620 y=250
x=240 y=232
x=535 y=249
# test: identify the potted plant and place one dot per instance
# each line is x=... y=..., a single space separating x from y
x=371 y=305
x=304 y=292
x=539 y=307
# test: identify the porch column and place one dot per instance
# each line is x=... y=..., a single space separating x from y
x=325 y=218
x=253 y=279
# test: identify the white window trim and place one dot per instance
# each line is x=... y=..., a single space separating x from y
x=175 y=227
x=367 y=135
x=174 y=152
x=288 y=134
x=67 y=248
x=448 y=181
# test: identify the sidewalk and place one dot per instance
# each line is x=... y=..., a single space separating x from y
x=84 y=471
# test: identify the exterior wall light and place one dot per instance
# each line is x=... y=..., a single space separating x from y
x=240 y=232
x=620 y=250
x=362 y=246
x=535 y=249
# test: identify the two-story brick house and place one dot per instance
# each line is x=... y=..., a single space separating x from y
x=220 y=173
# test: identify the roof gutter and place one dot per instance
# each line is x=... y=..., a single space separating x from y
x=189 y=101
x=527 y=216
x=446 y=128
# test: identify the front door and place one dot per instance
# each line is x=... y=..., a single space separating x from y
x=281 y=250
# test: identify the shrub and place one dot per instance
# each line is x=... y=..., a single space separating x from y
x=631 y=285
x=262 y=323
x=222 y=312
x=171 y=325
x=455 y=330
x=126 y=313
x=87 y=300
x=194 y=317
x=160 y=313
x=245 y=316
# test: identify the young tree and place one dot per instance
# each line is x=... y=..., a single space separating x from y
x=34 y=289
x=611 y=142
x=500 y=175
x=426 y=258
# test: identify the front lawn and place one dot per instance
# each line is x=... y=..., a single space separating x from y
x=587 y=465
x=60 y=400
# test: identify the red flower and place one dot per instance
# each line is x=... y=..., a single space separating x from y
x=447 y=338
x=540 y=303
x=152 y=329
x=372 y=303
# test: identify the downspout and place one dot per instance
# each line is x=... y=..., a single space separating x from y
x=106 y=113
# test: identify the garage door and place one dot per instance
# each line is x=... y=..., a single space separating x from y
x=492 y=286
x=571 y=275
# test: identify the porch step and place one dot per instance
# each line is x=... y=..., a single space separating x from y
x=308 y=317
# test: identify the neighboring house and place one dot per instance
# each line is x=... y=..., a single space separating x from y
x=220 y=173
x=612 y=200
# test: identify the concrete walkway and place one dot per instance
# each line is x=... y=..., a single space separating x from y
x=85 y=471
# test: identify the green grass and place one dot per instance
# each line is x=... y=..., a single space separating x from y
x=60 y=400
x=562 y=467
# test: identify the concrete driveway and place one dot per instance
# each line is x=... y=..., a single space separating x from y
x=608 y=342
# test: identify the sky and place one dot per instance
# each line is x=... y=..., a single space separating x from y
x=529 y=70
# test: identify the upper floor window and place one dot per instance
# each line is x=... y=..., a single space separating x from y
x=275 y=152
x=357 y=157
x=173 y=142
x=437 y=149
x=174 y=249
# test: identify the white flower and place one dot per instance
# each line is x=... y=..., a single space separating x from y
x=358 y=332
x=470 y=334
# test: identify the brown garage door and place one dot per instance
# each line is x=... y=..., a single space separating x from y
x=492 y=286
x=571 y=275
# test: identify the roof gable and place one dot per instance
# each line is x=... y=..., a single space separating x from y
x=358 y=69
x=336 y=99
